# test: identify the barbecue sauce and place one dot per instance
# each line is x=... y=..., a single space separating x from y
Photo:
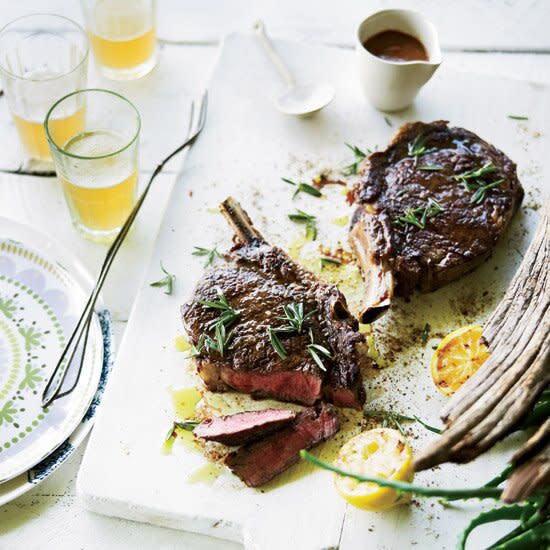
x=396 y=46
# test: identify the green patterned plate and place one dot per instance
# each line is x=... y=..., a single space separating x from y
x=42 y=292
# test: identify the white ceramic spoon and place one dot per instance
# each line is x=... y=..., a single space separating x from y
x=298 y=100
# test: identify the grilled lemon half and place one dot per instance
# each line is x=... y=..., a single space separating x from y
x=383 y=453
x=457 y=358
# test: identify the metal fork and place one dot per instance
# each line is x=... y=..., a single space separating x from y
x=53 y=389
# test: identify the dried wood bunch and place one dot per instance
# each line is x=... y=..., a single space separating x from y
x=496 y=400
x=531 y=467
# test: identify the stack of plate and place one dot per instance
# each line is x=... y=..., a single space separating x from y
x=43 y=289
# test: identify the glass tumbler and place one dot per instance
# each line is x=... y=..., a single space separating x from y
x=123 y=36
x=42 y=58
x=98 y=165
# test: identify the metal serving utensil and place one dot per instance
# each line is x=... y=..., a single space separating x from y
x=53 y=389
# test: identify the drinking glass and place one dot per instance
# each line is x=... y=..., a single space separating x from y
x=123 y=36
x=43 y=58
x=97 y=165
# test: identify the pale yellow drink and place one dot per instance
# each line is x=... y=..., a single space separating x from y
x=101 y=200
x=123 y=36
x=33 y=135
x=124 y=53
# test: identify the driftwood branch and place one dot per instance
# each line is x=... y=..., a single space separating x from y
x=495 y=401
x=531 y=467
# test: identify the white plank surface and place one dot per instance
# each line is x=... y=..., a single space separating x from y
x=51 y=514
x=142 y=484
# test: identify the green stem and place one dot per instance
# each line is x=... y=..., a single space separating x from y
x=495 y=482
x=404 y=487
x=537 y=537
x=505 y=512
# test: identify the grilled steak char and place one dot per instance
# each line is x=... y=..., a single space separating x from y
x=258 y=280
x=259 y=462
x=423 y=162
x=243 y=427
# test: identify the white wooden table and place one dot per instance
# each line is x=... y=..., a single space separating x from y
x=500 y=37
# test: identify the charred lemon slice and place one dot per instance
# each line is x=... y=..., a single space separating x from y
x=381 y=452
x=458 y=357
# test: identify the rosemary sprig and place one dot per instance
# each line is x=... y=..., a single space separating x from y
x=479 y=196
x=210 y=253
x=310 y=222
x=167 y=282
x=197 y=349
x=316 y=350
x=352 y=169
x=221 y=340
x=329 y=260
x=221 y=303
x=473 y=181
x=391 y=418
x=228 y=314
x=276 y=343
x=404 y=487
x=476 y=173
x=302 y=187
x=295 y=317
x=418 y=148
x=411 y=215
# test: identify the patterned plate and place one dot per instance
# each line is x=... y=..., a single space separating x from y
x=42 y=292
x=19 y=485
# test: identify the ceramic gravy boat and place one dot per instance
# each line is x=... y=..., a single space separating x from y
x=391 y=85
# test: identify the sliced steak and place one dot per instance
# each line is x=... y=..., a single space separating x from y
x=259 y=462
x=243 y=427
x=424 y=218
x=258 y=280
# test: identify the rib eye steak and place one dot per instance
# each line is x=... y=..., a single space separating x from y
x=259 y=462
x=262 y=325
x=431 y=207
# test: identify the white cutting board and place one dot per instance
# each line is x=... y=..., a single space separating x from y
x=245 y=149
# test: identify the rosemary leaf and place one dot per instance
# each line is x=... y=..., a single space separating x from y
x=295 y=317
x=418 y=148
x=302 y=187
x=329 y=260
x=476 y=173
x=276 y=343
x=425 y=333
x=316 y=357
x=410 y=215
x=430 y=168
x=196 y=350
x=393 y=418
x=352 y=169
x=518 y=117
x=310 y=222
x=188 y=425
x=210 y=253
x=166 y=282
x=316 y=350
